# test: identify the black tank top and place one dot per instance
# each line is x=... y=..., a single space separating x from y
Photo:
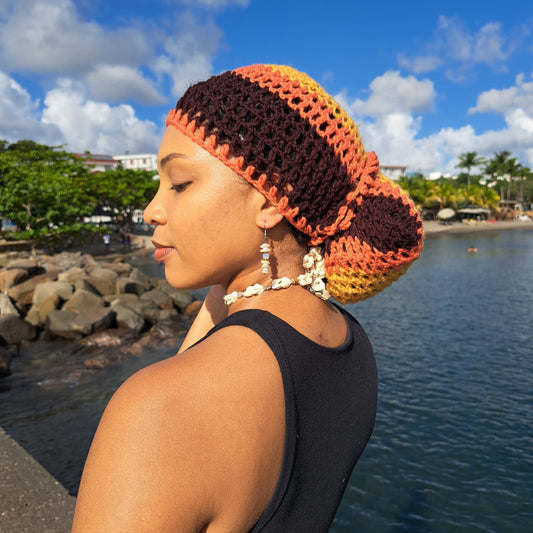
x=330 y=408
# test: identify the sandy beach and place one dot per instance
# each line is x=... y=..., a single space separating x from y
x=432 y=228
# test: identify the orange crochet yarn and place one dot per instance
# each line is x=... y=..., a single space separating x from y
x=281 y=131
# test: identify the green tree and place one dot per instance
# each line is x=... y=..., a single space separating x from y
x=44 y=190
x=482 y=196
x=495 y=168
x=468 y=160
x=122 y=191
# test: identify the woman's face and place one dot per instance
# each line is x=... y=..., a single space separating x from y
x=205 y=217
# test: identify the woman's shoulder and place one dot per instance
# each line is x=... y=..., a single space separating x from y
x=214 y=366
x=215 y=409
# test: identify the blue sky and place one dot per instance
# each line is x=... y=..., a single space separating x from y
x=426 y=81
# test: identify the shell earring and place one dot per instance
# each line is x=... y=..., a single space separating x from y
x=265 y=254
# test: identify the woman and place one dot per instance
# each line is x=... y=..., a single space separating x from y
x=268 y=197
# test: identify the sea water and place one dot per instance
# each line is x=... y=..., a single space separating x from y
x=452 y=448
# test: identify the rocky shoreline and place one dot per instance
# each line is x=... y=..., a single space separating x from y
x=95 y=303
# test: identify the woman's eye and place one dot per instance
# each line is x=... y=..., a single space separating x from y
x=178 y=187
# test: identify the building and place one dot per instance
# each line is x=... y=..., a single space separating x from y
x=393 y=172
x=98 y=162
x=137 y=161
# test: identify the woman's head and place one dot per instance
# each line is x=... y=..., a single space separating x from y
x=279 y=130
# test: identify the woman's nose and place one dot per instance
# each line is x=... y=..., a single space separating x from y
x=155 y=213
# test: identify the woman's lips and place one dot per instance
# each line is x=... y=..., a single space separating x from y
x=161 y=251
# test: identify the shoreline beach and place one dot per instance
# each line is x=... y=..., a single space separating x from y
x=432 y=227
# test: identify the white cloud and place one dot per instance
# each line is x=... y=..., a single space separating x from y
x=96 y=126
x=18 y=115
x=420 y=64
x=515 y=104
x=48 y=36
x=454 y=45
x=501 y=101
x=115 y=83
x=189 y=52
x=489 y=45
x=390 y=124
x=392 y=93
x=391 y=127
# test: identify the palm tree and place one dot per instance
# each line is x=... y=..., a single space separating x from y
x=469 y=160
x=513 y=169
x=495 y=168
x=523 y=175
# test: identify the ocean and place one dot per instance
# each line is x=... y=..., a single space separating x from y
x=452 y=448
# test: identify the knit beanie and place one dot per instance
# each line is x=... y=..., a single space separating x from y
x=281 y=131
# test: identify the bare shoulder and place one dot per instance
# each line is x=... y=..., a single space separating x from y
x=192 y=440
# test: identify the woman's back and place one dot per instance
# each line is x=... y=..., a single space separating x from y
x=330 y=396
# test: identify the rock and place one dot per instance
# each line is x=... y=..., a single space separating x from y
x=156 y=315
x=121 y=268
x=59 y=323
x=68 y=260
x=104 y=273
x=72 y=275
x=93 y=320
x=44 y=291
x=180 y=298
x=52 y=270
x=193 y=308
x=99 y=362
x=89 y=261
x=104 y=280
x=140 y=277
x=6 y=306
x=83 y=284
x=5 y=361
x=127 y=317
x=168 y=315
x=102 y=339
x=130 y=286
x=125 y=298
x=167 y=331
x=33 y=317
x=23 y=292
x=31 y=266
x=38 y=313
x=81 y=301
x=141 y=307
x=12 y=276
x=161 y=299
x=14 y=329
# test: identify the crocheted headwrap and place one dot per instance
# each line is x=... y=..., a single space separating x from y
x=279 y=129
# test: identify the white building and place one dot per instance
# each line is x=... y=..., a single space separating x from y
x=138 y=161
x=98 y=162
x=393 y=172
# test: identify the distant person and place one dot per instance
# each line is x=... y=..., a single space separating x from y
x=268 y=197
x=107 y=240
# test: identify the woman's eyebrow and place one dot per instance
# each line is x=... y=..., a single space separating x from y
x=169 y=157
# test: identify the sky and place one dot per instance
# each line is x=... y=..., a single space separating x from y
x=425 y=81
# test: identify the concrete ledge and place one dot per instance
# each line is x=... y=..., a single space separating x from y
x=31 y=500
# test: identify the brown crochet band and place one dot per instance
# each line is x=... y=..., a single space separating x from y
x=284 y=134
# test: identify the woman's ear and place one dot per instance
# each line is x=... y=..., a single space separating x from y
x=268 y=215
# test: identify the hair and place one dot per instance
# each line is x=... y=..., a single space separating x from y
x=279 y=130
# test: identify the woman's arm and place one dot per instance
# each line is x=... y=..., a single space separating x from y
x=193 y=443
x=140 y=474
x=213 y=311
